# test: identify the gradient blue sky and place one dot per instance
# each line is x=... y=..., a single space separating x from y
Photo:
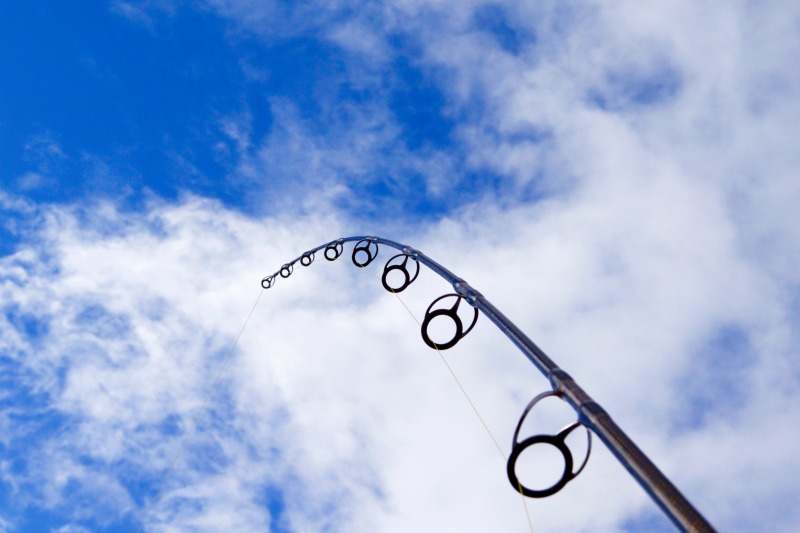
x=109 y=100
x=620 y=179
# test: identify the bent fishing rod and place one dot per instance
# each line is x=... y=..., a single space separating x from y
x=590 y=414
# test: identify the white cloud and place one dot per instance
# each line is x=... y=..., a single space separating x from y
x=333 y=399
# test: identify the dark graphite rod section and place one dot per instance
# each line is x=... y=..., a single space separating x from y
x=655 y=483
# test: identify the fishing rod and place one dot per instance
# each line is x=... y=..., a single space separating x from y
x=590 y=414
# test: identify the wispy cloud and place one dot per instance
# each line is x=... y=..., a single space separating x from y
x=45 y=155
x=140 y=11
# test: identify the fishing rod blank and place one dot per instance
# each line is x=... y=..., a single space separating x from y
x=590 y=414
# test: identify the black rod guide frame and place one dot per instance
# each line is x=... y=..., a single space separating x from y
x=590 y=413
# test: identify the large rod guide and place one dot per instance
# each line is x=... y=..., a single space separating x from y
x=590 y=414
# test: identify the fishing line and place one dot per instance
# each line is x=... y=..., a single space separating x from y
x=464 y=392
x=196 y=419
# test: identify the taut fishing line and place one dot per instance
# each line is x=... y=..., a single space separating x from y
x=196 y=418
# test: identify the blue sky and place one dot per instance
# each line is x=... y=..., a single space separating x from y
x=619 y=179
x=155 y=102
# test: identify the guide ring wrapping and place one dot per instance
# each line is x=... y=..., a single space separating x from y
x=307 y=258
x=557 y=441
x=402 y=268
x=334 y=249
x=365 y=246
x=452 y=313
